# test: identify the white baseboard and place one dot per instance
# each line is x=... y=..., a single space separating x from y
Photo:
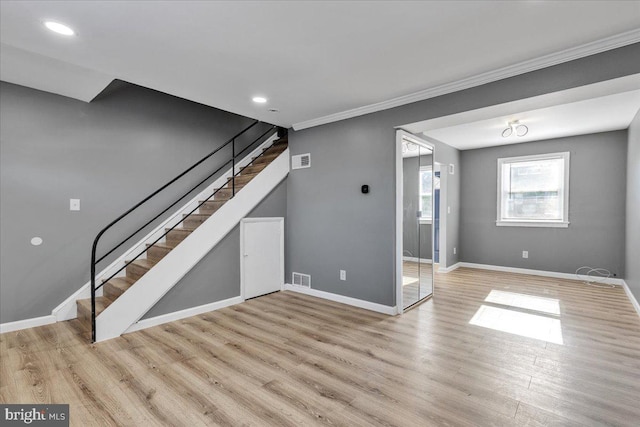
x=449 y=269
x=27 y=323
x=631 y=297
x=420 y=260
x=372 y=306
x=182 y=314
x=558 y=275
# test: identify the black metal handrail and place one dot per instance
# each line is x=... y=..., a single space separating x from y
x=232 y=160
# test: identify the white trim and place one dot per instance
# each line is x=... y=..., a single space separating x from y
x=564 y=222
x=242 y=233
x=443 y=213
x=420 y=260
x=372 y=306
x=182 y=314
x=632 y=298
x=556 y=274
x=450 y=268
x=541 y=62
x=26 y=323
x=547 y=224
x=67 y=310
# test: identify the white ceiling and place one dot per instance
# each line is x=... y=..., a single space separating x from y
x=314 y=61
x=601 y=107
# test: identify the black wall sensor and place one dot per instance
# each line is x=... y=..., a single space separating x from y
x=365 y=189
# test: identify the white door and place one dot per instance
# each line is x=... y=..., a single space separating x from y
x=261 y=256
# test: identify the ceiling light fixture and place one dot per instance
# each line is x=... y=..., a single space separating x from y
x=515 y=128
x=408 y=146
x=259 y=99
x=59 y=28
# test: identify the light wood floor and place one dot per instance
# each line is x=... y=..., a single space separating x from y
x=288 y=359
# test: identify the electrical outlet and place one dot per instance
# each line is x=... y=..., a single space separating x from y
x=343 y=275
x=74 y=204
x=455 y=251
x=525 y=254
x=448 y=209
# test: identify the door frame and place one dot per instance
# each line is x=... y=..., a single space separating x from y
x=245 y=221
x=400 y=136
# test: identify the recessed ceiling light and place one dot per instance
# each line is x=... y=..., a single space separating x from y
x=59 y=28
x=259 y=99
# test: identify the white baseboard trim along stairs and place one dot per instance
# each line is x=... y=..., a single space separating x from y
x=129 y=307
x=123 y=300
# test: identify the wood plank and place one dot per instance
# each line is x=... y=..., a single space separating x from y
x=292 y=359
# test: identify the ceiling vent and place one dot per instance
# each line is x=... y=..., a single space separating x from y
x=301 y=279
x=301 y=161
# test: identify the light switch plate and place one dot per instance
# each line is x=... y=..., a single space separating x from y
x=74 y=204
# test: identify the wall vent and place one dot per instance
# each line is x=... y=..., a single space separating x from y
x=301 y=279
x=301 y=161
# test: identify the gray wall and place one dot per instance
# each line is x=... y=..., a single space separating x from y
x=217 y=275
x=595 y=236
x=109 y=153
x=336 y=227
x=416 y=244
x=632 y=252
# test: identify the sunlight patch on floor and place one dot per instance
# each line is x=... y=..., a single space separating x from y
x=516 y=322
x=409 y=280
x=529 y=302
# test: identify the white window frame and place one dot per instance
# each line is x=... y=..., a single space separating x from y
x=564 y=222
x=423 y=169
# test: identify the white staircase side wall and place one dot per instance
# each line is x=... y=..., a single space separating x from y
x=67 y=310
x=150 y=288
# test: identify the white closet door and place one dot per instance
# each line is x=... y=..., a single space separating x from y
x=262 y=256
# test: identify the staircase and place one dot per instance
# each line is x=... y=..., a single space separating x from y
x=116 y=287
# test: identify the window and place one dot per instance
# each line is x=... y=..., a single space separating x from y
x=426 y=194
x=533 y=191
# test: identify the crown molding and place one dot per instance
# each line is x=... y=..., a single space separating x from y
x=545 y=61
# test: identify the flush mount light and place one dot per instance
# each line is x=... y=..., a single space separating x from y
x=408 y=146
x=259 y=99
x=515 y=128
x=59 y=28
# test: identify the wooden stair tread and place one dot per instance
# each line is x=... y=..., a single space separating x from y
x=121 y=283
x=204 y=202
x=85 y=304
x=195 y=215
x=182 y=229
x=143 y=263
x=163 y=245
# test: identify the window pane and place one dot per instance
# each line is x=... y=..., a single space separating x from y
x=426 y=207
x=425 y=182
x=533 y=190
x=425 y=194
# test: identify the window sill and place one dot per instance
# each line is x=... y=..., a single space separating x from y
x=560 y=224
x=424 y=221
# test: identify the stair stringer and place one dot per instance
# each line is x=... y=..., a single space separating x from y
x=67 y=310
x=150 y=288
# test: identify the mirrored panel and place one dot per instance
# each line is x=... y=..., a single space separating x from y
x=418 y=179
